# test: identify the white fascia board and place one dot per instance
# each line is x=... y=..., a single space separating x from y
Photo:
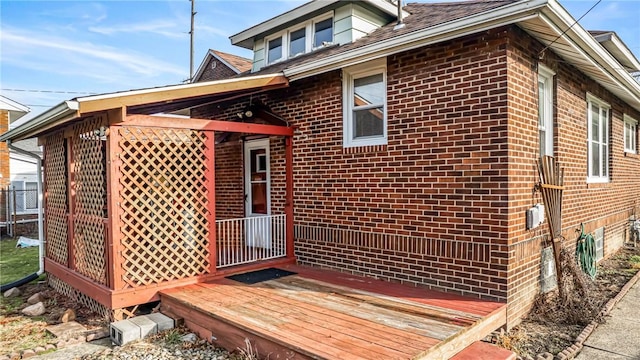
x=619 y=49
x=601 y=58
x=65 y=109
x=245 y=37
x=509 y=14
x=11 y=105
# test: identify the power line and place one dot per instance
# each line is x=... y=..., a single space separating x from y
x=50 y=91
x=570 y=27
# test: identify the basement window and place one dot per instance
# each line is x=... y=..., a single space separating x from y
x=598 y=236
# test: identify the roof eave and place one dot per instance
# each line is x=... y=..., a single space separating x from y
x=63 y=111
x=628 y=88
x=619 y=50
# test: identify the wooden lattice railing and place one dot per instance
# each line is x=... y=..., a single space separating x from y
x=164 y=212
x=56 y=205
x=90 y=205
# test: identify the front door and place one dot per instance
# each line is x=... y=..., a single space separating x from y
x=257 y=193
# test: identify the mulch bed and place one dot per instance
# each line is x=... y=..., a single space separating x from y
x=553 y=325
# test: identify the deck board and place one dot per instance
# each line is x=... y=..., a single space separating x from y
x=328 y=315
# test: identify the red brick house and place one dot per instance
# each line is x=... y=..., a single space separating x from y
x=400 y=150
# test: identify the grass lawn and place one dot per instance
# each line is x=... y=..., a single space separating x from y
x=16 y=263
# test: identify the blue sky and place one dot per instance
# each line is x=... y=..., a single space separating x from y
x=73 y=47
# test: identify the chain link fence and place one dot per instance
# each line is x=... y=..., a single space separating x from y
x=19 y=210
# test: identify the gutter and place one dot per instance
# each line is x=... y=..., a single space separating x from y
x=62 y=110
x=40 y=216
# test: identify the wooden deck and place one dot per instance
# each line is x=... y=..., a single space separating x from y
x=319 y=314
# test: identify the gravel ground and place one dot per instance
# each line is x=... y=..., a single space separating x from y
x=166 y=346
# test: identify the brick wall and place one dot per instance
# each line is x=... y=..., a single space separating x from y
x=216 y=70
x=595 y=205
x=443 y=204
x=421 y=210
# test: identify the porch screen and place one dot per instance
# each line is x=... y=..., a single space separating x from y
x=164 y=219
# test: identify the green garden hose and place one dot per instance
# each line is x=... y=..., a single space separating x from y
x=586 y=253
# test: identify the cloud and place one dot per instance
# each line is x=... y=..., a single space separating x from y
x=88 y=12
x=165 y=28
x=35 y=51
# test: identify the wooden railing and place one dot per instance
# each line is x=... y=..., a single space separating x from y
x=250 y=239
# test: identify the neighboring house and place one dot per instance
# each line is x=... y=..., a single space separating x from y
x=218 y=65
x=18 y=173
x=404 y=152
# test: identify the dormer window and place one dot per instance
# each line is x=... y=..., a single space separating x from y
x=323 y=32
x=299 y=39
x=298 y=42
x=275 y=50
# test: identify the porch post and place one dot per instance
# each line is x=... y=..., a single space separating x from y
x=211 y=198
x=289 y=195
x=113 y=209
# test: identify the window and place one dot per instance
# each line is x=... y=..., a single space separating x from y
x=323 y=32
x=297 y=42
x=597 y=140
x=630 y=135
x=30 y=195
x=598 y=236
x=301 y=39
x=545 y=110
x=275 y=50
x=364 y=103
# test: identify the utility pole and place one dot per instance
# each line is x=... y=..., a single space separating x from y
x=193 y=17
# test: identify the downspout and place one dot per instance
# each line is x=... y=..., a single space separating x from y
x=40 y=216
x=400 y=23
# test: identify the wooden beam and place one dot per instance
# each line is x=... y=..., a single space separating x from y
x=177 y=92
x=289 y=196
x=115 y=116
x=210 y=176
x=206 y=125
x=79 y=282
x=113 y=183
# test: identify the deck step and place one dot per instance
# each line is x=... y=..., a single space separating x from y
x=484 y=351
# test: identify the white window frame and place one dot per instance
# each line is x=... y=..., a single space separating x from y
x=545 y=120
x=349 y=75
x=604 y=131
x=309 y=27
x=318 y=19
x=285 y=47
x=630 y=126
